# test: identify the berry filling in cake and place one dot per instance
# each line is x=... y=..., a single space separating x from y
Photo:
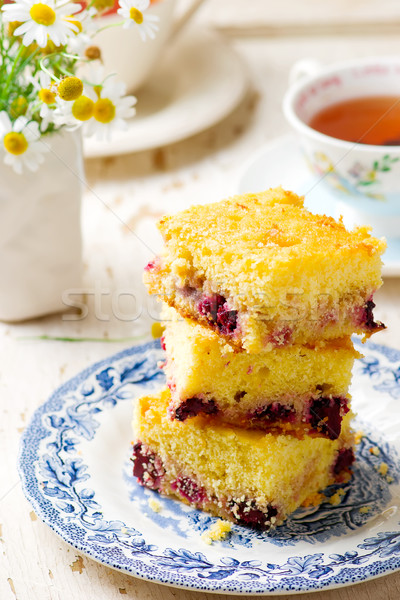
x=365 y=318
x=325 y=415
x=344 y=460
x=247 y=476
x=147 y=467
x=149 y=470
x=247 y=513
x=189 y=489
x=320 y=415
x=194 y=406
x=273 y=413
x=216 y=311
x=154 y=265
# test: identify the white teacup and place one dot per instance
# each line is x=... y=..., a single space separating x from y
x=125 y=53
x=364 y=178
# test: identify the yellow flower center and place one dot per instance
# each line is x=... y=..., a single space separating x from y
x=50 y=48
x=12 y=26
x=15 y=143
x=18 y=107
x=82 y=108
x=101 y=5
x=136 y=15
x=93 y=53
x=42 y=14
x=104 y=110
x=70 y=88
x=78 y=24
x=47 y=96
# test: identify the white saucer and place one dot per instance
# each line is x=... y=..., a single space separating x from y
x=199 y=80
x=282 y=162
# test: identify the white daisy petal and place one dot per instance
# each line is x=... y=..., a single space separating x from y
x=41 y=36
x=19 y=124
x=5 y=123
x=23 y=28
x=32 y=155
x=15 y=162
x=58 y=31
x=145 y=24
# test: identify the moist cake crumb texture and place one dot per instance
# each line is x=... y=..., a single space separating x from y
x=262 y=271
x=294 y=387
x=261 y=298
x=233 y=472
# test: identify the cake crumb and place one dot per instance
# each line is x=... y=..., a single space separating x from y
x=374 y=450
x=218 y=531
x=364 y=509
x=155 y=505
x=336 y=498
x=313 y=500
x=157 y=330
x=383 y=468
x=358 y=436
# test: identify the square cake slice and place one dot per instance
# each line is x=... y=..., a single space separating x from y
x=262 y=271
x=246 y=476
x=294 y=388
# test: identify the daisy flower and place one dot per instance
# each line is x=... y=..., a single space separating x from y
x=44 y=87
x=20 y=143
x=87 y=28
x=133 y=13
x=110 y=110
x=102 y=107
x=75 y=113
x=42 y=21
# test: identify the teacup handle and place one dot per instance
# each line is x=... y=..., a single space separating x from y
x=303 y=68
x=187 y=15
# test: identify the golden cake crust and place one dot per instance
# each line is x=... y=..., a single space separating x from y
x=265 y=272
x=266 y=242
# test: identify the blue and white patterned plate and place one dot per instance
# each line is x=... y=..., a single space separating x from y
x=75 y=470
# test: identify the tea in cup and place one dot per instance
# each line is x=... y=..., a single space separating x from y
x=348 y=118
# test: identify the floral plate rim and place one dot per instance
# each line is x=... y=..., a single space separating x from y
x=215 y=582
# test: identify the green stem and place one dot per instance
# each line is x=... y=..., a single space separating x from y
x=108 y=27
x=45 y=69
x=29 y=59
x=12 y=72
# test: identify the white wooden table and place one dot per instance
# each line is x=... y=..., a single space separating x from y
x=127 y=194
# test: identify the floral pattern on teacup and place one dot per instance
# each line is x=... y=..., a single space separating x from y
x=359 y=176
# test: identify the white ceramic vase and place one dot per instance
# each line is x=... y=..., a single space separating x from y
x=40 y=231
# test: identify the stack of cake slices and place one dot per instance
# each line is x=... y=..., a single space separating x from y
x=260 y=300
